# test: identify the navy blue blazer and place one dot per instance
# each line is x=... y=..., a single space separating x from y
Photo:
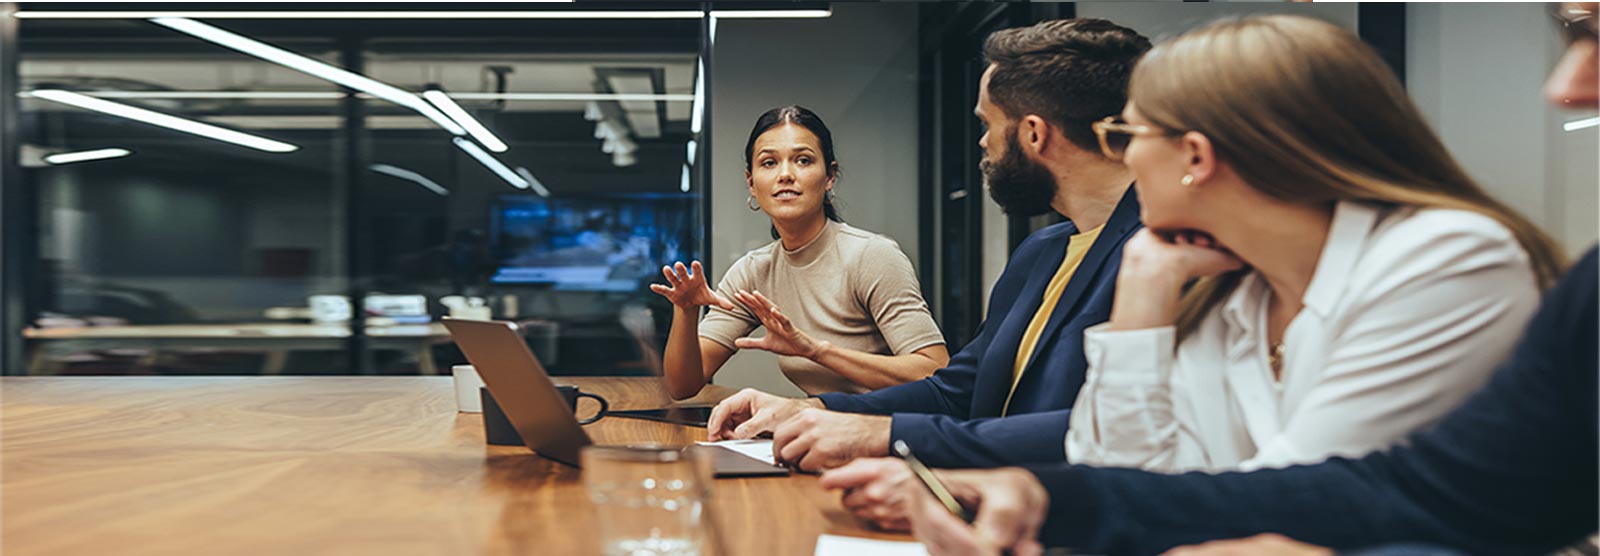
x=952 y=419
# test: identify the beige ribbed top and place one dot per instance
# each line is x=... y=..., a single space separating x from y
x=850 y=287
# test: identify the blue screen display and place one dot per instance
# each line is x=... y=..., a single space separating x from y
x=614 y=243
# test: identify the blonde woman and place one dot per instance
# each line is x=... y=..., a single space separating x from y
x=1348 y=283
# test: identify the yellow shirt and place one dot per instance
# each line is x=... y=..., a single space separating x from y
x=1077 y=246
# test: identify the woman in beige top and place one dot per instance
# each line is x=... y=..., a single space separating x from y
x=855 y=319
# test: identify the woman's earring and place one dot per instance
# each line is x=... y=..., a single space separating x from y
x=829 y=196
x=1187 y=180
x=751 y=202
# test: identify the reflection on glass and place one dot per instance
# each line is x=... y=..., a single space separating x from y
x=164 y=251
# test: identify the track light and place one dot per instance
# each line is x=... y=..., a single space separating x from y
x=533 y=182
x=471 y=124
x=408 y=175
x=494 y=165
x=418 y=14
x=307 y=65
x=164 y=120
x=85 y=156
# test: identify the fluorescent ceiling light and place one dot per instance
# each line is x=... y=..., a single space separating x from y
x=699 y=96
x=392 y=14
x=1585 y=123
x=667 y=97
x=489 y=162
x=692 y=146
x=771 y=14
x=623 y=159
x=85 y=156
x=386 y=122
x=533 y=182
x=163 y=120
x=297 y=62
x=206 y=95
x=331 y=95
x=413 y=177
x=471 y=124
x=683 y=182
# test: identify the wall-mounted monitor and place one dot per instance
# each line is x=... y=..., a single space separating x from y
x=608 y=243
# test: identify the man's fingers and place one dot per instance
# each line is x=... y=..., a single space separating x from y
x=724 y=414
x=1030 y=547
x=750 y=343
x=856 y=501
x=661 y=289
x=858 y=473
x=672 y=277
x=801 y=453
x=715 y=423
x=756 y=425
x=816 y=458
x=697 y=271
x=788 y=445
x=943 y=533
x=1002 y=517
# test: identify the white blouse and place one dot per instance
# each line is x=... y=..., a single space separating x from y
x=1407 y=313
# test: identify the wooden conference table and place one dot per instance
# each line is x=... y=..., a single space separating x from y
x=326 y=465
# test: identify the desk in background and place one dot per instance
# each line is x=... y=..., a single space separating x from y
x=324 y=465
x=48 y=345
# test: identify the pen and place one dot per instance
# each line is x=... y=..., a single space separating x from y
x=928 y=480
x=935 y=486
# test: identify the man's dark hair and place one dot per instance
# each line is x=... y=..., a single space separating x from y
x=1071 y=72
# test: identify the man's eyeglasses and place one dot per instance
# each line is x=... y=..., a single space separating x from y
x=1115 y=134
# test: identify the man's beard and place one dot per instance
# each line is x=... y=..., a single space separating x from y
x=1020 y=186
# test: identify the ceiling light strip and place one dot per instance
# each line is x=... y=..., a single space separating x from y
x=1585 y=123
x=85 y=156
x=331 y=95
x=534 y=182
x=474 y=128
x=518 y=14
x=167 y=121
x=313 y=67
x=408 y=175
x=491 y=163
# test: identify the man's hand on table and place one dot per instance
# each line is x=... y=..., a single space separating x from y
x=804 y=435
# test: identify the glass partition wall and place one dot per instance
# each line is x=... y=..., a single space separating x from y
x=213 y=193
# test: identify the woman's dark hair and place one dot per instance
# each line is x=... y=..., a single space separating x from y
x=805 y=118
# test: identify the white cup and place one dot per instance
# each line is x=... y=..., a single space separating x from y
x=467 y=384
x=480 y=312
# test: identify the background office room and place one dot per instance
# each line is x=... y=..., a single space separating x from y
x=231 y=232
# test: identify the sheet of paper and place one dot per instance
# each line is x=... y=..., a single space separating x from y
x=835 y=545
x=758 y=448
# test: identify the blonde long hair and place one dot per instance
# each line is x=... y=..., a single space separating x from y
x=1305 y=112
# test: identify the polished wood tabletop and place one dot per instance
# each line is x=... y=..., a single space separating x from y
x=330 y=465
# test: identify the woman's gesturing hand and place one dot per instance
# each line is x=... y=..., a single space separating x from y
x=782 y=338
x=688 y=287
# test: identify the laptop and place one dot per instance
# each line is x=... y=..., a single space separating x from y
x=530 y=400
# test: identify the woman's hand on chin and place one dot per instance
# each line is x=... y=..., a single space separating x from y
x=688 y=288
x=1155 y=267
x=1183 y=254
